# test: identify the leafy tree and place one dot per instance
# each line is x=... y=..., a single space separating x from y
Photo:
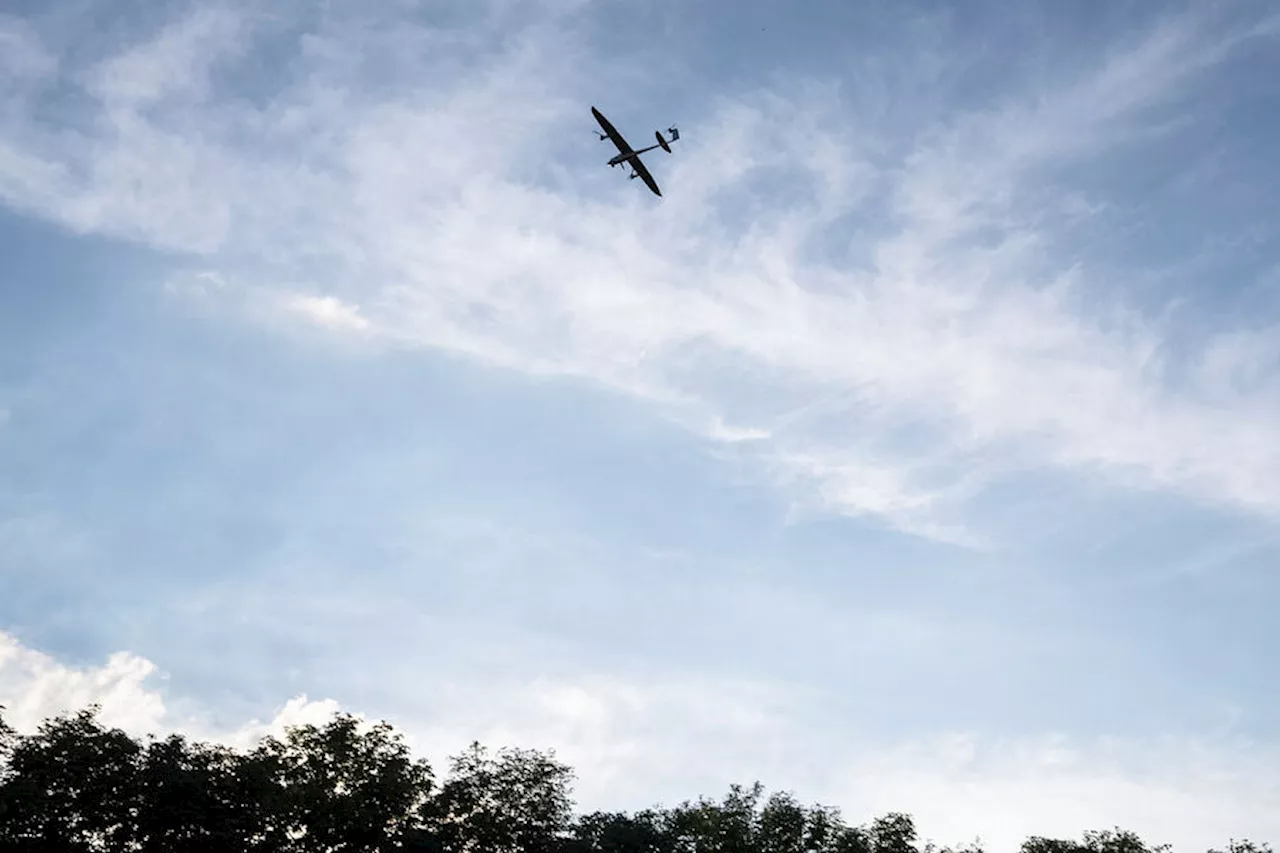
x=7 y=738
x=516 y=802
x=1037 y=844
x=782 y=825
x=70 y=787
x=184 y=797
x=76 y=786
x=616 y=832
x=828 y=833
x=341 y=789
x=1244 y=846
x=740 y=822
x=975 y=847
x=786 y=826
x=1118 y=841
x=725 y=827
x=893 y=833
x=1094 y=841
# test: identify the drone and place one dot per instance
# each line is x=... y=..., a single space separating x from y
x=627 y=154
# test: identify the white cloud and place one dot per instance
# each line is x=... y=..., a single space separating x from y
x=639 y=741
x=949 y=347
x=34 y=686
x=298 y=711
x=176 y=63
x=721 y=431
x=634 y=743
x=1241 y=367
x=1189 y=794
x=328 y=311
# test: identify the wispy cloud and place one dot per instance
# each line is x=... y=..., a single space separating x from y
x=925 y=297
x=22 y=55
x=328 y=311
x=174 y=65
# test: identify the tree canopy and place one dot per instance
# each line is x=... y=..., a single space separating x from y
x=349 y=787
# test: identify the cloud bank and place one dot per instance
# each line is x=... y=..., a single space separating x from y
x=634 y=743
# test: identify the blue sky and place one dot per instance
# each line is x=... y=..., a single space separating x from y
x=917 y=450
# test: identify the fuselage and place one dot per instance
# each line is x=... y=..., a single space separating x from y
x=628 y=156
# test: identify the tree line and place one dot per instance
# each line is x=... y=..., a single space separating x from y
x=76 y=785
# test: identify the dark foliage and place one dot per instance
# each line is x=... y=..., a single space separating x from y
x=75 y=785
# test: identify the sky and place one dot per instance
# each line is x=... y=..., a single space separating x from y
x=916 y=450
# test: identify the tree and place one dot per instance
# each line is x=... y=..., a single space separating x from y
x=1244 y=846
x=69 y=787
x=76 y=786
x=7 y=738
x=1037 y=844
x=516 y=802
x=706 y=826
x=740 y=823
x=1094 y=841
x=617 y=832
x=975 y=847
x=179 y=802
x=782 y=825
x=1119 y=841
x=828 y=833
x=198 y=797
x=340 y=790
x=893 y=833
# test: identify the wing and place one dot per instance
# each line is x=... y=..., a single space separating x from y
x=645 y=176
x=614 y=136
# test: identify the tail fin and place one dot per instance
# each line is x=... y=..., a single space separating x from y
x=675 y=134
x=662 y=142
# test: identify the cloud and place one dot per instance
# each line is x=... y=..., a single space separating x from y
x=645 y=740
x=34 y=686
x=1192 y=795
x=23 y=57
x=721 y=431
x=175 y=64
x=642 y=741
x=298 y=711
x=328 y=311
x=895 y=333
x=195 y=285
x=639 y=741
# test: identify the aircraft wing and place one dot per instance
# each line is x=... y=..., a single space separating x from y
x=614 y=136
x=644 y=175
